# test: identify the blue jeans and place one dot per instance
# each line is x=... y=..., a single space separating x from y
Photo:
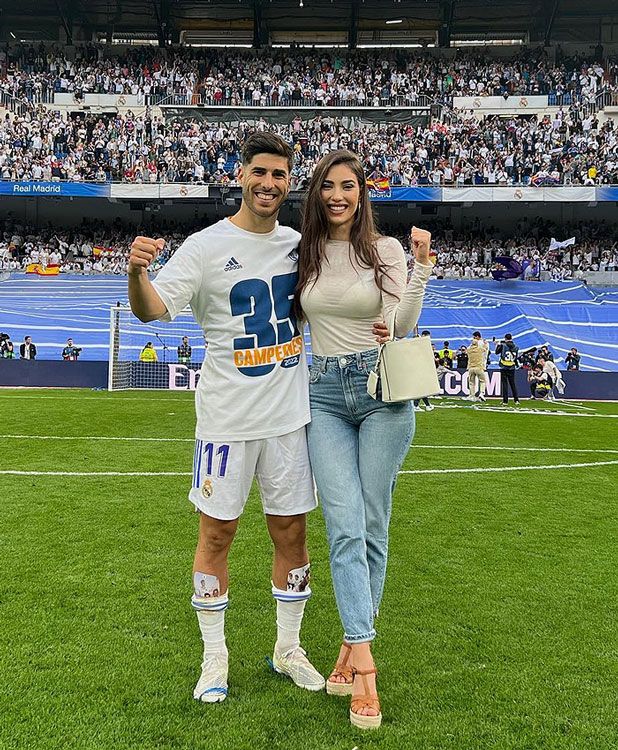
x=356 y=446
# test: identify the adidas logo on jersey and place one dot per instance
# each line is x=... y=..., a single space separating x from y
x=232 y=265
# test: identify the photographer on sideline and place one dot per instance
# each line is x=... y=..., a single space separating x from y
x=508 y=353
x=540 y=383
x=7 y=350
x=70 y=353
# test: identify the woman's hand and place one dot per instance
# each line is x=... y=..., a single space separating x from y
x=421 y=242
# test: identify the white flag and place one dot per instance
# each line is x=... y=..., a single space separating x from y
x=555 y=245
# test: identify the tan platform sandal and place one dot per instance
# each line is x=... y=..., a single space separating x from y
x=341 y=670
x=365 y=701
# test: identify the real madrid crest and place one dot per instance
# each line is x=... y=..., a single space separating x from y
x=207 y=488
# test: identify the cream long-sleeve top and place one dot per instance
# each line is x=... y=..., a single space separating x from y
x=345 y=302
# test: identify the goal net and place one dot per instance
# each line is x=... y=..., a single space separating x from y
x=154 y=355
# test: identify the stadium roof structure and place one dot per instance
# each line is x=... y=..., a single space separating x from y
x=352 y=23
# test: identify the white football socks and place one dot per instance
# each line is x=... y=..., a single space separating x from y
x=290 y=610
x=211 y=618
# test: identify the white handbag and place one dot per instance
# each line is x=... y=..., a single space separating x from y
x=405 y=369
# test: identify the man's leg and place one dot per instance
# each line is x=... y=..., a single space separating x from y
x=513 y=386
x=504 y=386
x=286 y=486
x=472 y=383
x=210 y=600
x=482 y=377
x=291 y=590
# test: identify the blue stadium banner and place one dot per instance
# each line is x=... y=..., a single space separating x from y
x=55 y=189
x=609 y=193
x=387 y=193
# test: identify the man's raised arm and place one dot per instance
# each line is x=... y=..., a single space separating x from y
x=143 y=298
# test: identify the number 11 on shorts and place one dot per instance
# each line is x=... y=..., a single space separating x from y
x=211 y=452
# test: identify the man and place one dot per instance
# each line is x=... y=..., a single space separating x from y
x=417 y=402
x=545 y=354
x=555 y=377
x=6 y=346
x=508 y=353
x=573 y=359
x=184 y=351
x=462 y=358
x=148 y=353
x=27 y=350
x=540 y=383
x=70 y=353
x=477 y=361
x=252 y=402
x=447 y=355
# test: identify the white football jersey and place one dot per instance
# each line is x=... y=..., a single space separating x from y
x=240 y=286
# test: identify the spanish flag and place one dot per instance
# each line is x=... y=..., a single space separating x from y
x=383 y=184
x=39 y=270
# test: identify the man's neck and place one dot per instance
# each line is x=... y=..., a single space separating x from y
x=250 y=222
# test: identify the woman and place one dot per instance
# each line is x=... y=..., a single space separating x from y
x=350 y=277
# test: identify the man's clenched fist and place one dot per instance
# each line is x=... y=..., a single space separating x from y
x=143 y=251
x=421 y=242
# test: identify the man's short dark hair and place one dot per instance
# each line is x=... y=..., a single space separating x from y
x=425 y=333
x=266 y=143
x=476 y=335
x=508 y=337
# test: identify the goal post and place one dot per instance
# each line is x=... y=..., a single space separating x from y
x=146 y=355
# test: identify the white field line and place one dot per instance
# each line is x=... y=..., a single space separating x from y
x=99 y=437
x=541 y=449
x=96 y=473
x=103 y=400
x=187 y=473
x=508 y=468
x=537 y=412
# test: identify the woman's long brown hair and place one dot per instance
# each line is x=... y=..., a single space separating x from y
x=363 y=235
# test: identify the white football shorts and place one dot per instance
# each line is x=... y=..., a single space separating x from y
x=223 y=474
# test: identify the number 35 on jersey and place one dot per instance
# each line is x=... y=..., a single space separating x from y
x=272 y=336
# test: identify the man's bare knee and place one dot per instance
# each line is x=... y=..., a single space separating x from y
x=216 y=536
x=288 y=533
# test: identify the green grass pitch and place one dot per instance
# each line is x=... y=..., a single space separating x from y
x=498 y=629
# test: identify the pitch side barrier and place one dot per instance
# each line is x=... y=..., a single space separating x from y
x=383 y=194
x=592 y=386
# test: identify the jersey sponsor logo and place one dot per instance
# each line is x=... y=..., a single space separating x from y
x=267 y=343
x=232 y=265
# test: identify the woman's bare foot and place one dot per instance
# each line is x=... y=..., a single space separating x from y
x=362 y=661
x=343 y=660
x=341 y=678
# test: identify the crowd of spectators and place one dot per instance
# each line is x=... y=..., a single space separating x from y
x=569 y=147
x=280 y=77
x=468 y=252
x=42 y=145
